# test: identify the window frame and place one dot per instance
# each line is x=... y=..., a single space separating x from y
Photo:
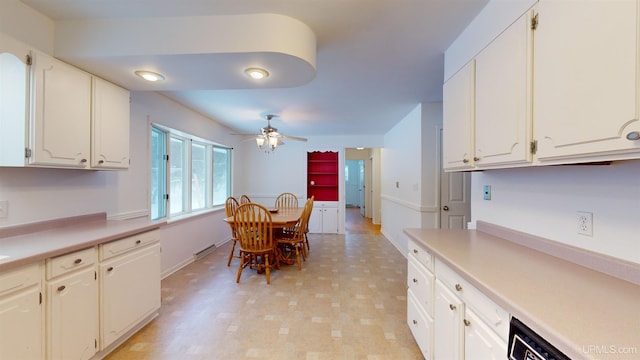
x=189 y=141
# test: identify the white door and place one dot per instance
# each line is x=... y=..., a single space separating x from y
x=455 y=199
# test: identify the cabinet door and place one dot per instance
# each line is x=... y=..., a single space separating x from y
x=448 y=336
x=21 y=325
x=503 y=98
x=72 y=317
x=330 y=220
x=110 y=126
x=14 y=89
x=315 y=220
x=586 y=80
x=130 y=290
x=61 y=114
x=481 y=341
x=458 y=119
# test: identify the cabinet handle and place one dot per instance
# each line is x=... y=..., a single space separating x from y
x=466 y=322
x=458 y=287
x=452 y=307
x=62 y=287
x=634 y=135
x=110 y=268
x=415 y=280
x=77 y=261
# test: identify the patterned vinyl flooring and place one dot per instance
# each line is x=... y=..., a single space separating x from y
x=347 y=302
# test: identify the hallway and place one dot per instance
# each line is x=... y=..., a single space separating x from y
x=355 y=223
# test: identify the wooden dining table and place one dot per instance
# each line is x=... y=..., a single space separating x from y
x=280 y=219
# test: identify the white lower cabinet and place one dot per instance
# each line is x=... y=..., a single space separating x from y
x=449 y=318
x=448 y=326
x=324 y=218
x=480 y=342
x=72 y=306
x=130 y=288
x=21 y=324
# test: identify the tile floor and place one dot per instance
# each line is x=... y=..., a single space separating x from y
x=348 y=302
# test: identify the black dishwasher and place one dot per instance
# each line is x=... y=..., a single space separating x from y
x=525 y=344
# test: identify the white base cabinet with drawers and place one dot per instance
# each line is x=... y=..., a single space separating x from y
x=324 y=217
x=21 y=335
x=129 y=284
x=83 y=304
x=449 y=318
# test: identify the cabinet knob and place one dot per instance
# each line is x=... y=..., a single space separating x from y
x=452 y=307
x=458 y=287
x=475 y=158
x=101 y=162
x=634 y=135
x=465 y=161
x=77 y=261
x=83 y=161
x=138 y=242
x=62 y=287
x=415 y=251
x=110 y=268
x=415 y=322
x=415 y=280
x=445 y=208
x=466 y=322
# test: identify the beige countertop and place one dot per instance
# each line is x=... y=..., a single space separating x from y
x=585 y=313
x=49 y=239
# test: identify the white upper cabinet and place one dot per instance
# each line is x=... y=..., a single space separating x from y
x=503 y=131
x=109 y=126
x=586 y=80
x=53 y=114
x=458 y=119
x=60 y=114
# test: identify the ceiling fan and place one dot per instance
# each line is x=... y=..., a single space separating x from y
x=269 y=137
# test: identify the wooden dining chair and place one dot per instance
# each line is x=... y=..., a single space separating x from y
x=244 y=199
x=257 y=247
x=306 y=231
x=230 y=206
x=286 y=200
x=295 y=245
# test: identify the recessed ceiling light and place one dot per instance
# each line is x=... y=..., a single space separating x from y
x=150 y=75
x=256 y=73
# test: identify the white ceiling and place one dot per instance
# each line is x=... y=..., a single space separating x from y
x=375 y=60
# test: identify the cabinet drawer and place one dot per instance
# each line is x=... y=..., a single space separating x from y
x=64 y=264
x=422 y=255
x=118 y=247
x=486 y=309
x=20 y=278
x=421 y=326
x=420 y=281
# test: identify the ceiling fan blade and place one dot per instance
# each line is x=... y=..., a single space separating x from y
x=293 y=138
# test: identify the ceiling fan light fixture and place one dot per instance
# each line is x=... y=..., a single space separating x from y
x=256 y=73
x=150 y=75
x=260 y=142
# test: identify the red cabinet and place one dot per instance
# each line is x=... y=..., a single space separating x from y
x=322 y=175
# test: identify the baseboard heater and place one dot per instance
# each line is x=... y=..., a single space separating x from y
x=206 y=251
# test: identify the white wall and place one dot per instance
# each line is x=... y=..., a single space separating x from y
x=410 y=173
x=543 y=201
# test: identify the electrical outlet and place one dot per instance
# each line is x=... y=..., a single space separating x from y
x=585 y=223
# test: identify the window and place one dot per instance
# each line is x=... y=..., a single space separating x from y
x=158 y=174
x=187 y=173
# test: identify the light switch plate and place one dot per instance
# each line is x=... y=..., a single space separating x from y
x=486 y=192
